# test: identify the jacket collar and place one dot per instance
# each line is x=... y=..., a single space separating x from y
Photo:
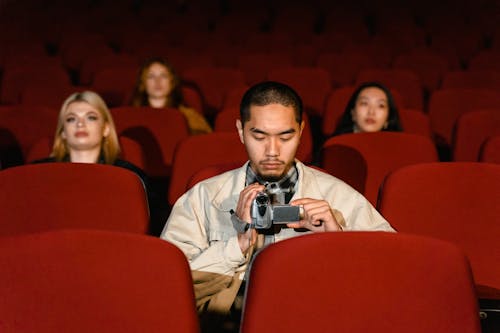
x=227 y=197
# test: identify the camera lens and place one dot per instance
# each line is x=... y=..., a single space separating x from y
x=262 y=199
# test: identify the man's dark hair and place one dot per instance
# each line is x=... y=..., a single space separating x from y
x=270 y=92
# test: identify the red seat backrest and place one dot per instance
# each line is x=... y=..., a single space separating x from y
x=471 y=130
x=197 y=152
x=48 y=196
x=454 y=201
x=158 y=131
x=92 y=281
x=381 y=152
x=385 y=272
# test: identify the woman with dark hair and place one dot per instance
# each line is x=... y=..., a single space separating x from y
x=371 y=108
x=158 y=86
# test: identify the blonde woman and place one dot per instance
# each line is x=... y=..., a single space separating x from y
x=86 y=133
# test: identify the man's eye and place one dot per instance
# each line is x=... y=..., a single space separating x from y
x=286 y=138
x=259 y=138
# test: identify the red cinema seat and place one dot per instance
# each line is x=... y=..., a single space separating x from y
x=47 y=196
x=197 y=152
x=453 y=201
x=471 y=130
x=311 y=83
x=158 y=131
x=363 y=160
x=421 y=284
x=94 y=281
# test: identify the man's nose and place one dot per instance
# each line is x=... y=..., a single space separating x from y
x=273 y=147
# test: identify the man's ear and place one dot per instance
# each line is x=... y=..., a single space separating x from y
x=239 y=126
x=302 y=125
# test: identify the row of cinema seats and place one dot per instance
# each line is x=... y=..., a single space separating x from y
x=442 y=122
x=452 y=201
x=158 y=142
x=27 y=84
x=92 y=281
x=216 y=92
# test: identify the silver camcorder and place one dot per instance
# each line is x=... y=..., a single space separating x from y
x=268 y=208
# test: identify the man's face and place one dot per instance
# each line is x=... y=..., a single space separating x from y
x=271 y=137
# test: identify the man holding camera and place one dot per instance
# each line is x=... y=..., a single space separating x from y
x=221 y=221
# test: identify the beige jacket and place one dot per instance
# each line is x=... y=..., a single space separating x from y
x=200 y=223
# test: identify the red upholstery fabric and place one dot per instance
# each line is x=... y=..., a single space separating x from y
x=429 y=66
x=214 y=83
x=47 y=196
x=26 y=125
x=192 y=98
x=225 y=121
x=15 y=79
x=405 y=81
x=76 y=46
x=115 y=85
x=360 y=282
x=381 y=152
x=97 y=62
x=40 y=149
x=256 y=66
x=234 y=96
x=415 y=122
x=456 y=201
x=311 y=83
x=132 y=151
x=475 y=79
x=490 y=150
x=485 y=60
x=158 y=131
x=447 y=105
x=344 y=67
x=196 y=152
x=471 y=130
x=94 y=281
x=210 y=171
x=47 y=95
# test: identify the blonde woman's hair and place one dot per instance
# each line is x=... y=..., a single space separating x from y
x=110 y=147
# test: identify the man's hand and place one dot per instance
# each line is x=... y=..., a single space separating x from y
x=248 y=238
x=318 y=216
